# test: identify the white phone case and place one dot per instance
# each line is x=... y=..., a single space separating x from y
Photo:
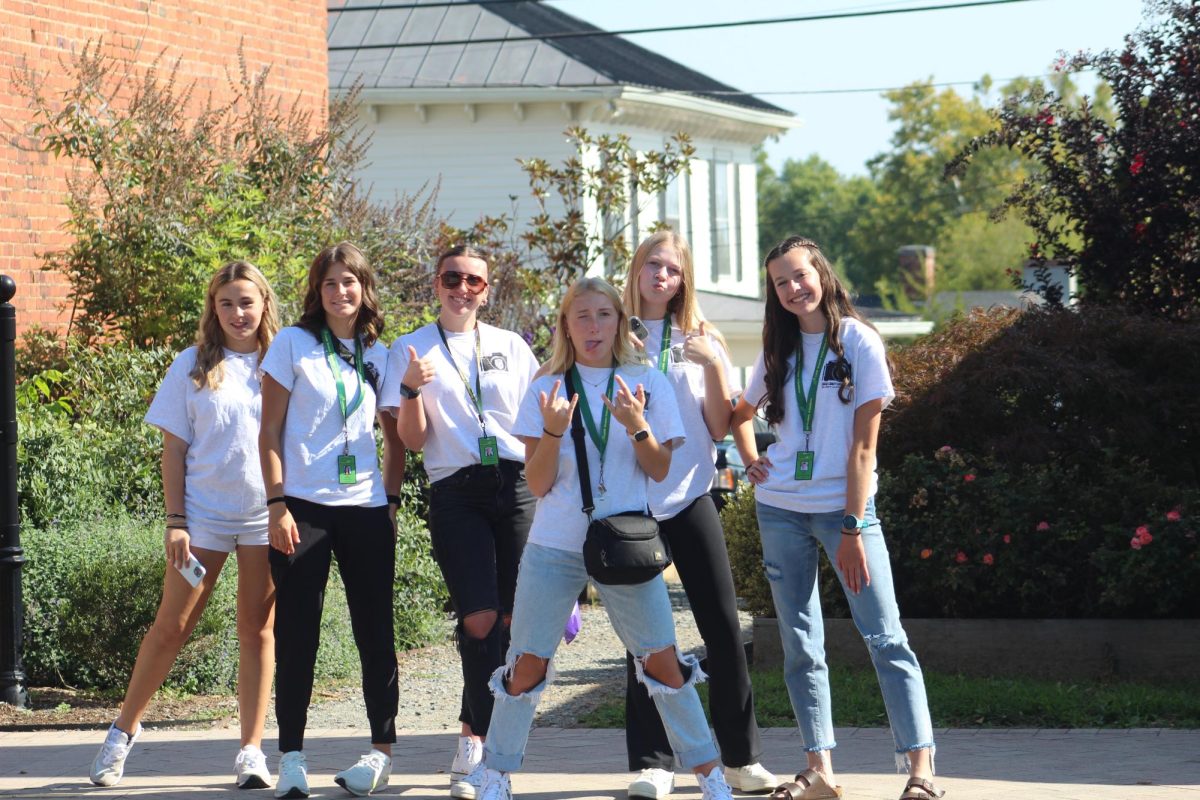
x=192 y=570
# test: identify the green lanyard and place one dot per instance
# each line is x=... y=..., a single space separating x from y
x=664 y=347
x=808 y=405
x=334 y=367
x=477 y=395
x=600 y=437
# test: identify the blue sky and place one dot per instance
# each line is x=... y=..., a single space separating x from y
x=848 y=129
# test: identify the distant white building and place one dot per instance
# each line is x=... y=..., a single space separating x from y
x=465 y=111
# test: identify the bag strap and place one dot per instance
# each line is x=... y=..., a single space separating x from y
x=581 y=462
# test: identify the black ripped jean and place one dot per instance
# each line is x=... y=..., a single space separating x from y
x=479 y=519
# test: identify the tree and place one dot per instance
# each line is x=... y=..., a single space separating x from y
x=1114 y=196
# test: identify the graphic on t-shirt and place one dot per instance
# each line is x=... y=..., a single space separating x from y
x=677 y=356
x=835 y=372
x=494 y=361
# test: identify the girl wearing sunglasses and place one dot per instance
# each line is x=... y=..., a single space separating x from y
x=457 y=384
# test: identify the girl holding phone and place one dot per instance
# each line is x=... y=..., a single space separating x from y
x=823 y=381
x=208 y=408
x=457 y=384
x=661 y=290
x=328 y=494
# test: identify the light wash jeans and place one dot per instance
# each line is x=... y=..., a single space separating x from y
x=790 y=542
x=548 y=583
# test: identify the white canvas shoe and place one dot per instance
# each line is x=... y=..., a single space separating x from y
x=751 y=779
x=652 y=784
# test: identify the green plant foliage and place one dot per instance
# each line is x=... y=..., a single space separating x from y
x=420 y=593
x=1114 y=199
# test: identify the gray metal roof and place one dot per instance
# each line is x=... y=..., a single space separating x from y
x=575 y=62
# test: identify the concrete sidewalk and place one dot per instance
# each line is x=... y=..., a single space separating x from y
x=588 y=764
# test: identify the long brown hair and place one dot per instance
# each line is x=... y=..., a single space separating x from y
x=562 y=357
x=209 y=369
x=781 y=328
x=684 y=307
x=369 y=322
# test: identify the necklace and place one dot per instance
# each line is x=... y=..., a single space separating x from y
x=599 y=380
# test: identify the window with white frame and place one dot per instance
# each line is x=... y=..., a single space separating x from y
x=669 y=212
x=720 y=218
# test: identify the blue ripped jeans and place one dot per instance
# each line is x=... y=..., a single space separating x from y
x=791 y=543
x=548 y=582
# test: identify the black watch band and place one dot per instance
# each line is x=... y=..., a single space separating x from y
x=409 y=393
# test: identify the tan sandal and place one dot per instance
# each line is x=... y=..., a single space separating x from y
x=809 y=785
x=921 y=789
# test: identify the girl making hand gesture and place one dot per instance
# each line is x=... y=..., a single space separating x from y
x=629 y=414
x=822 y=382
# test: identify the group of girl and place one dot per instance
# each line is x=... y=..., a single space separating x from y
x=269 y=451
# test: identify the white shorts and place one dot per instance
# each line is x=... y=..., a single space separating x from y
x=225 y=542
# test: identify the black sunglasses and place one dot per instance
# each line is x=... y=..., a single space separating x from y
x=451 y=280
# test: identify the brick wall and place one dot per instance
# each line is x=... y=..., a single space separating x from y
x=289 y=35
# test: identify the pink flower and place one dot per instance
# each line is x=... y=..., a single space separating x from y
x=969 y=477
x=1139 y=229
x=989 y=559
x=1142 y=531
x=1043 y=526
x=945 y=449
x=1138 y=163
x=1135 y=543
x=926 y=553
x=1173 y=515
x=961 y=557
x=1007 y=539
x=1142 y=536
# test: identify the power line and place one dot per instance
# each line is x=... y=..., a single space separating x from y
x=673 y=28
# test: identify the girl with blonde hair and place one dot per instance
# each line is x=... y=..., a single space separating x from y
x=208 y=408
x=661 y=290
x=596 y=372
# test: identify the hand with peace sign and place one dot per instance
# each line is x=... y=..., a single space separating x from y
x=698 y=349
x=627 y=406
x=556 y=410
x=420 y=370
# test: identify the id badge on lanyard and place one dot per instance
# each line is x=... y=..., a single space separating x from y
x=806 y=459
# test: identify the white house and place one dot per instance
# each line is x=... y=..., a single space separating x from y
x=464 y=110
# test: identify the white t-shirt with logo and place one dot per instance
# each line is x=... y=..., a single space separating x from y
x=694 y=464
x=833 y=421
x=559 y=521
x=222 y=486
x=453 y=429
x=312 y=431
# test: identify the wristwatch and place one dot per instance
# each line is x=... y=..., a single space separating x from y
x=853 y=526
x=409 y=393
x=641 y=435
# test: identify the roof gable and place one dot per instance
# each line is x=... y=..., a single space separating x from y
x=570 y=62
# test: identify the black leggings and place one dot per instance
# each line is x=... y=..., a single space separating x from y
x=479 y=519
x=697 y=545
x=364 y=542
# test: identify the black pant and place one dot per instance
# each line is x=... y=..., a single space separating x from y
x=479 y=519
x=697 y=545
x=364 y=543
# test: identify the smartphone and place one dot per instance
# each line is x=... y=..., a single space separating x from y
x=192 y=570
x=639 y=328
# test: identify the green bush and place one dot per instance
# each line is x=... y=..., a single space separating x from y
x=420 y=593
x=1026 y=460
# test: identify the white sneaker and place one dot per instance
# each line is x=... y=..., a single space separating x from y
x=652 y=784
x=495 y=785
x=468 y=756
x=370 y=773
x=470 y=786
x=752 y=779
x=250 y=769
x=713 y=785
x=293 y=775
x=109 y=764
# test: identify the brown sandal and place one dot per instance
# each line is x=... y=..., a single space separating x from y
x=921 y=789
x=809 y=785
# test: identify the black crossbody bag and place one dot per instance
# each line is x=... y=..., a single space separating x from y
x=622 y=549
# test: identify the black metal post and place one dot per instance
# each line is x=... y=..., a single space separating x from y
x=12 y=557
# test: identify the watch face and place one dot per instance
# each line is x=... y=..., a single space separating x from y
x=850 y=522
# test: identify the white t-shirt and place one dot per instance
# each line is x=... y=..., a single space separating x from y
x=833 y=421
x=312 y=431
x=559 y=521
x=453 y=430
x=222 y=486
x=694 y=464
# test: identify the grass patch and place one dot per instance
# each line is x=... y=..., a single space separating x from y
x=958 y=701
